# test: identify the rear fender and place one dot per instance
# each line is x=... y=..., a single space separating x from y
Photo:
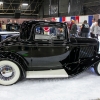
x=77 y=67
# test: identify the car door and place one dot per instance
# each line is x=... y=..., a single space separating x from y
x=48 y=52
x=41 y=54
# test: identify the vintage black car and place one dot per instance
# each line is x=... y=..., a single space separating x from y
x=45 y=50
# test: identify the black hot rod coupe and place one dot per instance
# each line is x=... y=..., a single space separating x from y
x=44 y=50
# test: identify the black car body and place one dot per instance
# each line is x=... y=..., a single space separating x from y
x=38 y=55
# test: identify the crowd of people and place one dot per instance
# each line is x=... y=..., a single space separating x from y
x=84 y=30
x=78 y=30
x=9 y=26
x=75 y=29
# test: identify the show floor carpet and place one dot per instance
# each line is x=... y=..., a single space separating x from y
x=85 y=86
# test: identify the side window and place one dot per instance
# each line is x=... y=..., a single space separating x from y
x=49 y=32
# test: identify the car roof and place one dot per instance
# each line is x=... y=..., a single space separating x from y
x=35 y=22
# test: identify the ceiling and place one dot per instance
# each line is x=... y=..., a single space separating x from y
x=9 y=7
x=89 y=3
x=92 y=6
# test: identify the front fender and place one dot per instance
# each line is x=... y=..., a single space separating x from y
x=14 y=57
x=77 y=67
x=18 y=64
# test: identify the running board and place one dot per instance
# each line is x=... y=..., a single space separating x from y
x=47 y=74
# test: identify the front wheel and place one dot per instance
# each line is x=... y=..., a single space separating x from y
x=97 y=68
x=9 y=72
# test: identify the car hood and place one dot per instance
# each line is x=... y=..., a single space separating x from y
x=11 y=38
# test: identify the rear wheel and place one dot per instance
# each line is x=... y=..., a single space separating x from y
x=9 y=72
x=97 y=68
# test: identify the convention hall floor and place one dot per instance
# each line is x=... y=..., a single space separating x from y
x=85 y=86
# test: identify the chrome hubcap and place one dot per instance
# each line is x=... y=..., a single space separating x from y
x=6 y=72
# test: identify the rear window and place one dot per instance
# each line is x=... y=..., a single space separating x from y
x=49 y=32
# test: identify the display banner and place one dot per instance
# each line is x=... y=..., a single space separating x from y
x=80 y=19
x=53 y=7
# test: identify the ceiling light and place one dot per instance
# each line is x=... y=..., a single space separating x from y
x=25 y=4
x=1 y=2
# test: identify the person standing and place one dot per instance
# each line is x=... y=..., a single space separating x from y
x=3 y=26
x=91 y=27
x=9 y=25
x=53 y=31
x=85 y=29
x=96 y=29
x=72 y=22
x=74 y=29
x=15 y=26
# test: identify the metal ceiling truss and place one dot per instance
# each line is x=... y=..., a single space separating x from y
x=92 y=6
x=11 y=1
x=37 y=6
x=29 y=6
x=96 y=2
x=10 y=6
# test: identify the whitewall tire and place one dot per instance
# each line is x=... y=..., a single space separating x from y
x=9 y=72
x=97 y=68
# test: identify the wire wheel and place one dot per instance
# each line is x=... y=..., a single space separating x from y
x=9 y=72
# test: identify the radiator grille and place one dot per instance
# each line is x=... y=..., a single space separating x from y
x=86 y=51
